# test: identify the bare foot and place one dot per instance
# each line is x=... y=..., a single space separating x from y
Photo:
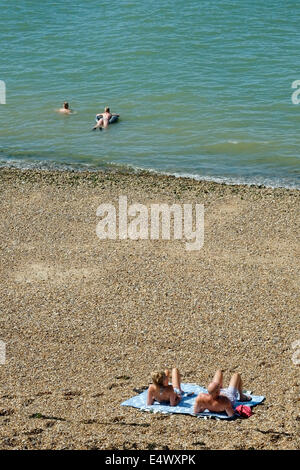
x=244 y=397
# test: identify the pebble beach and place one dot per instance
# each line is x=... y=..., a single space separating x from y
x=85 y=321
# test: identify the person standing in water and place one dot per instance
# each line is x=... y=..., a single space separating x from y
x=65 y=109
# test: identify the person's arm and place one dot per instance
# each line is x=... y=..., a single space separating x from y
x=229 y=410
x=114 y=114
x=174 y=398
x=150 y=398
x=197 y=406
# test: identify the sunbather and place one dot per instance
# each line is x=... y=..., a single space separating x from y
x=220 y=399
x=161 y=391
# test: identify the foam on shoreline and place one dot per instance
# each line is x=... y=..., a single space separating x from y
x=48 y=166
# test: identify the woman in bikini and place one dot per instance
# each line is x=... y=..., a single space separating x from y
x=161 y=391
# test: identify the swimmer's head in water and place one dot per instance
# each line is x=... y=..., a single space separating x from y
x=159 y=378
x=106 y=109
x=66 y=105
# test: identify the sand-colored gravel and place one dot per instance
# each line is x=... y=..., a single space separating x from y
x=86 y=321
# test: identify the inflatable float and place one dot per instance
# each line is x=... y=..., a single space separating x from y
x=111 y=121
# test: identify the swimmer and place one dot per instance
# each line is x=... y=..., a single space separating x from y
x=65 y=109
x=104 y=119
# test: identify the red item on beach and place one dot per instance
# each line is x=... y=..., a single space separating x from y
x=244 y=411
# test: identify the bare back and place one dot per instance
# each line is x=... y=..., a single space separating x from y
x=106 y=117
x=204 y=401
x=162 y=394
x=65 y=111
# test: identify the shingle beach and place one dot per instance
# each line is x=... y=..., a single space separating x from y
x=86 y=321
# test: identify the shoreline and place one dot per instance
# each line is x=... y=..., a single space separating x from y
x=86 y=321
x=118 y=169
x=73 y=175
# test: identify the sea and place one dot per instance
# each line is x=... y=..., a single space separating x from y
x=205 y=89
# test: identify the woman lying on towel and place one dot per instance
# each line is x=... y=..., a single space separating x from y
x=220 y=399
x=161 y=391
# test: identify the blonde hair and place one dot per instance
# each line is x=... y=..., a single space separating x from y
x=106 y=109
x=158 y=378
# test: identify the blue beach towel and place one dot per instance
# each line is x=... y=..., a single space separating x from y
x=186 y=405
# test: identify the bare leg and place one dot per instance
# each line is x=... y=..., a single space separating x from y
x=218 y=378
x=236 y=382
x=176 y=379
x=99 y=124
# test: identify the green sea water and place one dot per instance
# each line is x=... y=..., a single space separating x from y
x=204 y=88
